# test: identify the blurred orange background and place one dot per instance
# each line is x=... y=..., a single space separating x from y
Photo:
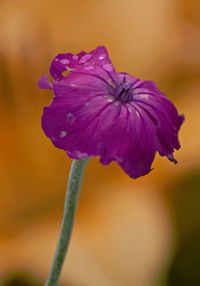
x=143 y=232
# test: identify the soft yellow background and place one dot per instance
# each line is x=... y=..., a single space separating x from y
x=127 y=232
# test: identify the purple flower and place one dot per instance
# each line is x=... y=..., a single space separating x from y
x=97 y=111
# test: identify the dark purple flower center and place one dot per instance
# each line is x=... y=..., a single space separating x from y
x=123 y=93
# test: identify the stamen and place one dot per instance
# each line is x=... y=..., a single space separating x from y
x=123 y=93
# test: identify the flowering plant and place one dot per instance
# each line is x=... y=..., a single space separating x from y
x=97 y=111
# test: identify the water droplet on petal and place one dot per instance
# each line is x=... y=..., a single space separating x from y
x=144 y=96
x=63 y=134
x=108 y=67
x=75 y=57
x=88 y=68
x=102 y=57
x=65 y=61
x=85 y=58
x=110 y=99
x=70 y=118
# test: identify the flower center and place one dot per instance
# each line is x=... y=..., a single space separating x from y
x=123 y=93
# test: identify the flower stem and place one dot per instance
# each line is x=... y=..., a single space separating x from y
x=73 y=187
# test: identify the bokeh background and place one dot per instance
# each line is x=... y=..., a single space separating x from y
x=143 y=232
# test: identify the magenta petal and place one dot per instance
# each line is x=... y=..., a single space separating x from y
x=74 y=121
x=163 y=115
x=96 y=63
x=126 y=142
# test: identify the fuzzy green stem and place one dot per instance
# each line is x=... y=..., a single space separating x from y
x=73 y=187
